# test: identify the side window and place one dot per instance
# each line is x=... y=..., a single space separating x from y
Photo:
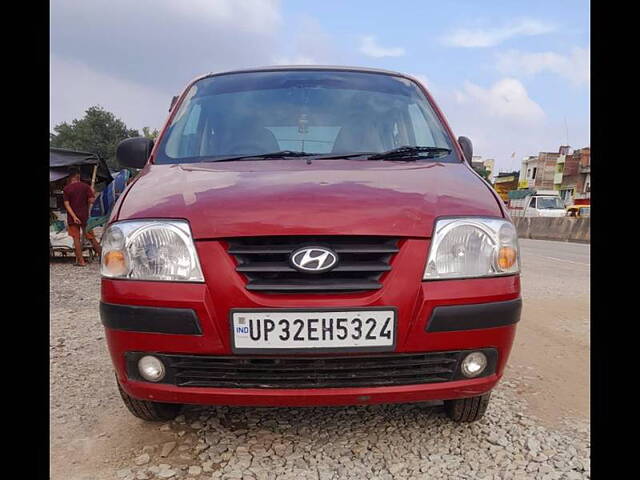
x=532 y=204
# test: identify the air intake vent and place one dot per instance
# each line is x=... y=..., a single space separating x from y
x=305 y=372
x=265 y=262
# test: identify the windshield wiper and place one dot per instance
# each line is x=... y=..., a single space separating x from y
x=408 y=153
x=337 y=156
x=280 y=154
x=401 y=153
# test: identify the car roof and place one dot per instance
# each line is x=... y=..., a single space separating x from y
x=276 y=68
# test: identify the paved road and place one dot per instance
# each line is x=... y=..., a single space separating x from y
x=552 y=343
x=547 y=254
x=536 y=425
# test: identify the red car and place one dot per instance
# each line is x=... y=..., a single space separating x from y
x=307 y=236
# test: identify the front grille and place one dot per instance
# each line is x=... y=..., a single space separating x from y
x=264 y=261
x=305 y=372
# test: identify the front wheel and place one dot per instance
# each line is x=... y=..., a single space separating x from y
x=149 y=411
x=467 y=409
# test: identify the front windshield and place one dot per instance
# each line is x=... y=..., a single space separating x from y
x=549 y=202
x=314 y=111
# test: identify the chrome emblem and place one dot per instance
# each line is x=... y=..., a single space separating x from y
x=313 y=259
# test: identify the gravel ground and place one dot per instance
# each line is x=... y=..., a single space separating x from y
x=94 y=437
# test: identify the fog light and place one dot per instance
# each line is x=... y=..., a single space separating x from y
x=474 y=364
x=151 y=368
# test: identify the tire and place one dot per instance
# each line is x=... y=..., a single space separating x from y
x=149 y=411
x=467 y=409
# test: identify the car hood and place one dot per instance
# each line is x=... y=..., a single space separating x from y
x=291 y=197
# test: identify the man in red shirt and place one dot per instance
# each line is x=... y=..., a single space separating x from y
x=78 y=197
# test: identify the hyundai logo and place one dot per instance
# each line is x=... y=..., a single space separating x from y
x=313 y=259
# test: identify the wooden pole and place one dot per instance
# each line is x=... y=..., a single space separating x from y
x=93 y=176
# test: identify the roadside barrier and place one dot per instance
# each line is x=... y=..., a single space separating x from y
x=566 y=229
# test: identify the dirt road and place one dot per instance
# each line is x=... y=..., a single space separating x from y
x=536 y=425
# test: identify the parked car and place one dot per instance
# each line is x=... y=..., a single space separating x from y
x=307 y=236
x=579 y=211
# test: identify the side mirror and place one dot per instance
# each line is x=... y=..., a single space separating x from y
x=467 y=148
x=134 y=152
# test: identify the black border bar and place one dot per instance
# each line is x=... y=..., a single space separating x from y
x=451 y=318
x=136 y=318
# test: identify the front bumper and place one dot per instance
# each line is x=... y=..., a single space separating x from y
x=442 y=305
x=447 y=316
x=259 y=397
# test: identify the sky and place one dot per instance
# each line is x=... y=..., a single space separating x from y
x=511 y=76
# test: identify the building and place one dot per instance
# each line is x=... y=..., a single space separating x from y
x=506 y=182
x=489 y=165
x=575 y=188
x=547 y=176
x=543 y=171
x=479 y=165
x=528 y=171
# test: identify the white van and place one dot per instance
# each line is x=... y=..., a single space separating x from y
x=532 y=203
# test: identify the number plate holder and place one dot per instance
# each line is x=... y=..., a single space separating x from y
x=241 y=343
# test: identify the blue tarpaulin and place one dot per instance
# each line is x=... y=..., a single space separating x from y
x=518 y=194
x=105 y=201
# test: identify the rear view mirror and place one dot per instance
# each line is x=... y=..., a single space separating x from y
x=134 y=152
x=467 y=148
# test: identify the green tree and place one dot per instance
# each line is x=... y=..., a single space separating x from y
x=99 y=131
x=148 y=133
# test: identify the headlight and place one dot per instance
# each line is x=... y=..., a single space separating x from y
x=472 y=247
x=150 y=250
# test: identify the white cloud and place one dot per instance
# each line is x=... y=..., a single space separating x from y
x=132 y=57
x=574 y=66
x=500 y=119
x=165 y=43
x=489 y=37
x=259 y=16
x=507 y=98
x=76 y=87
x=370 y=47
x=309 y=44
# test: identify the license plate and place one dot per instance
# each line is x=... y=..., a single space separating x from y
x=256 y=331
